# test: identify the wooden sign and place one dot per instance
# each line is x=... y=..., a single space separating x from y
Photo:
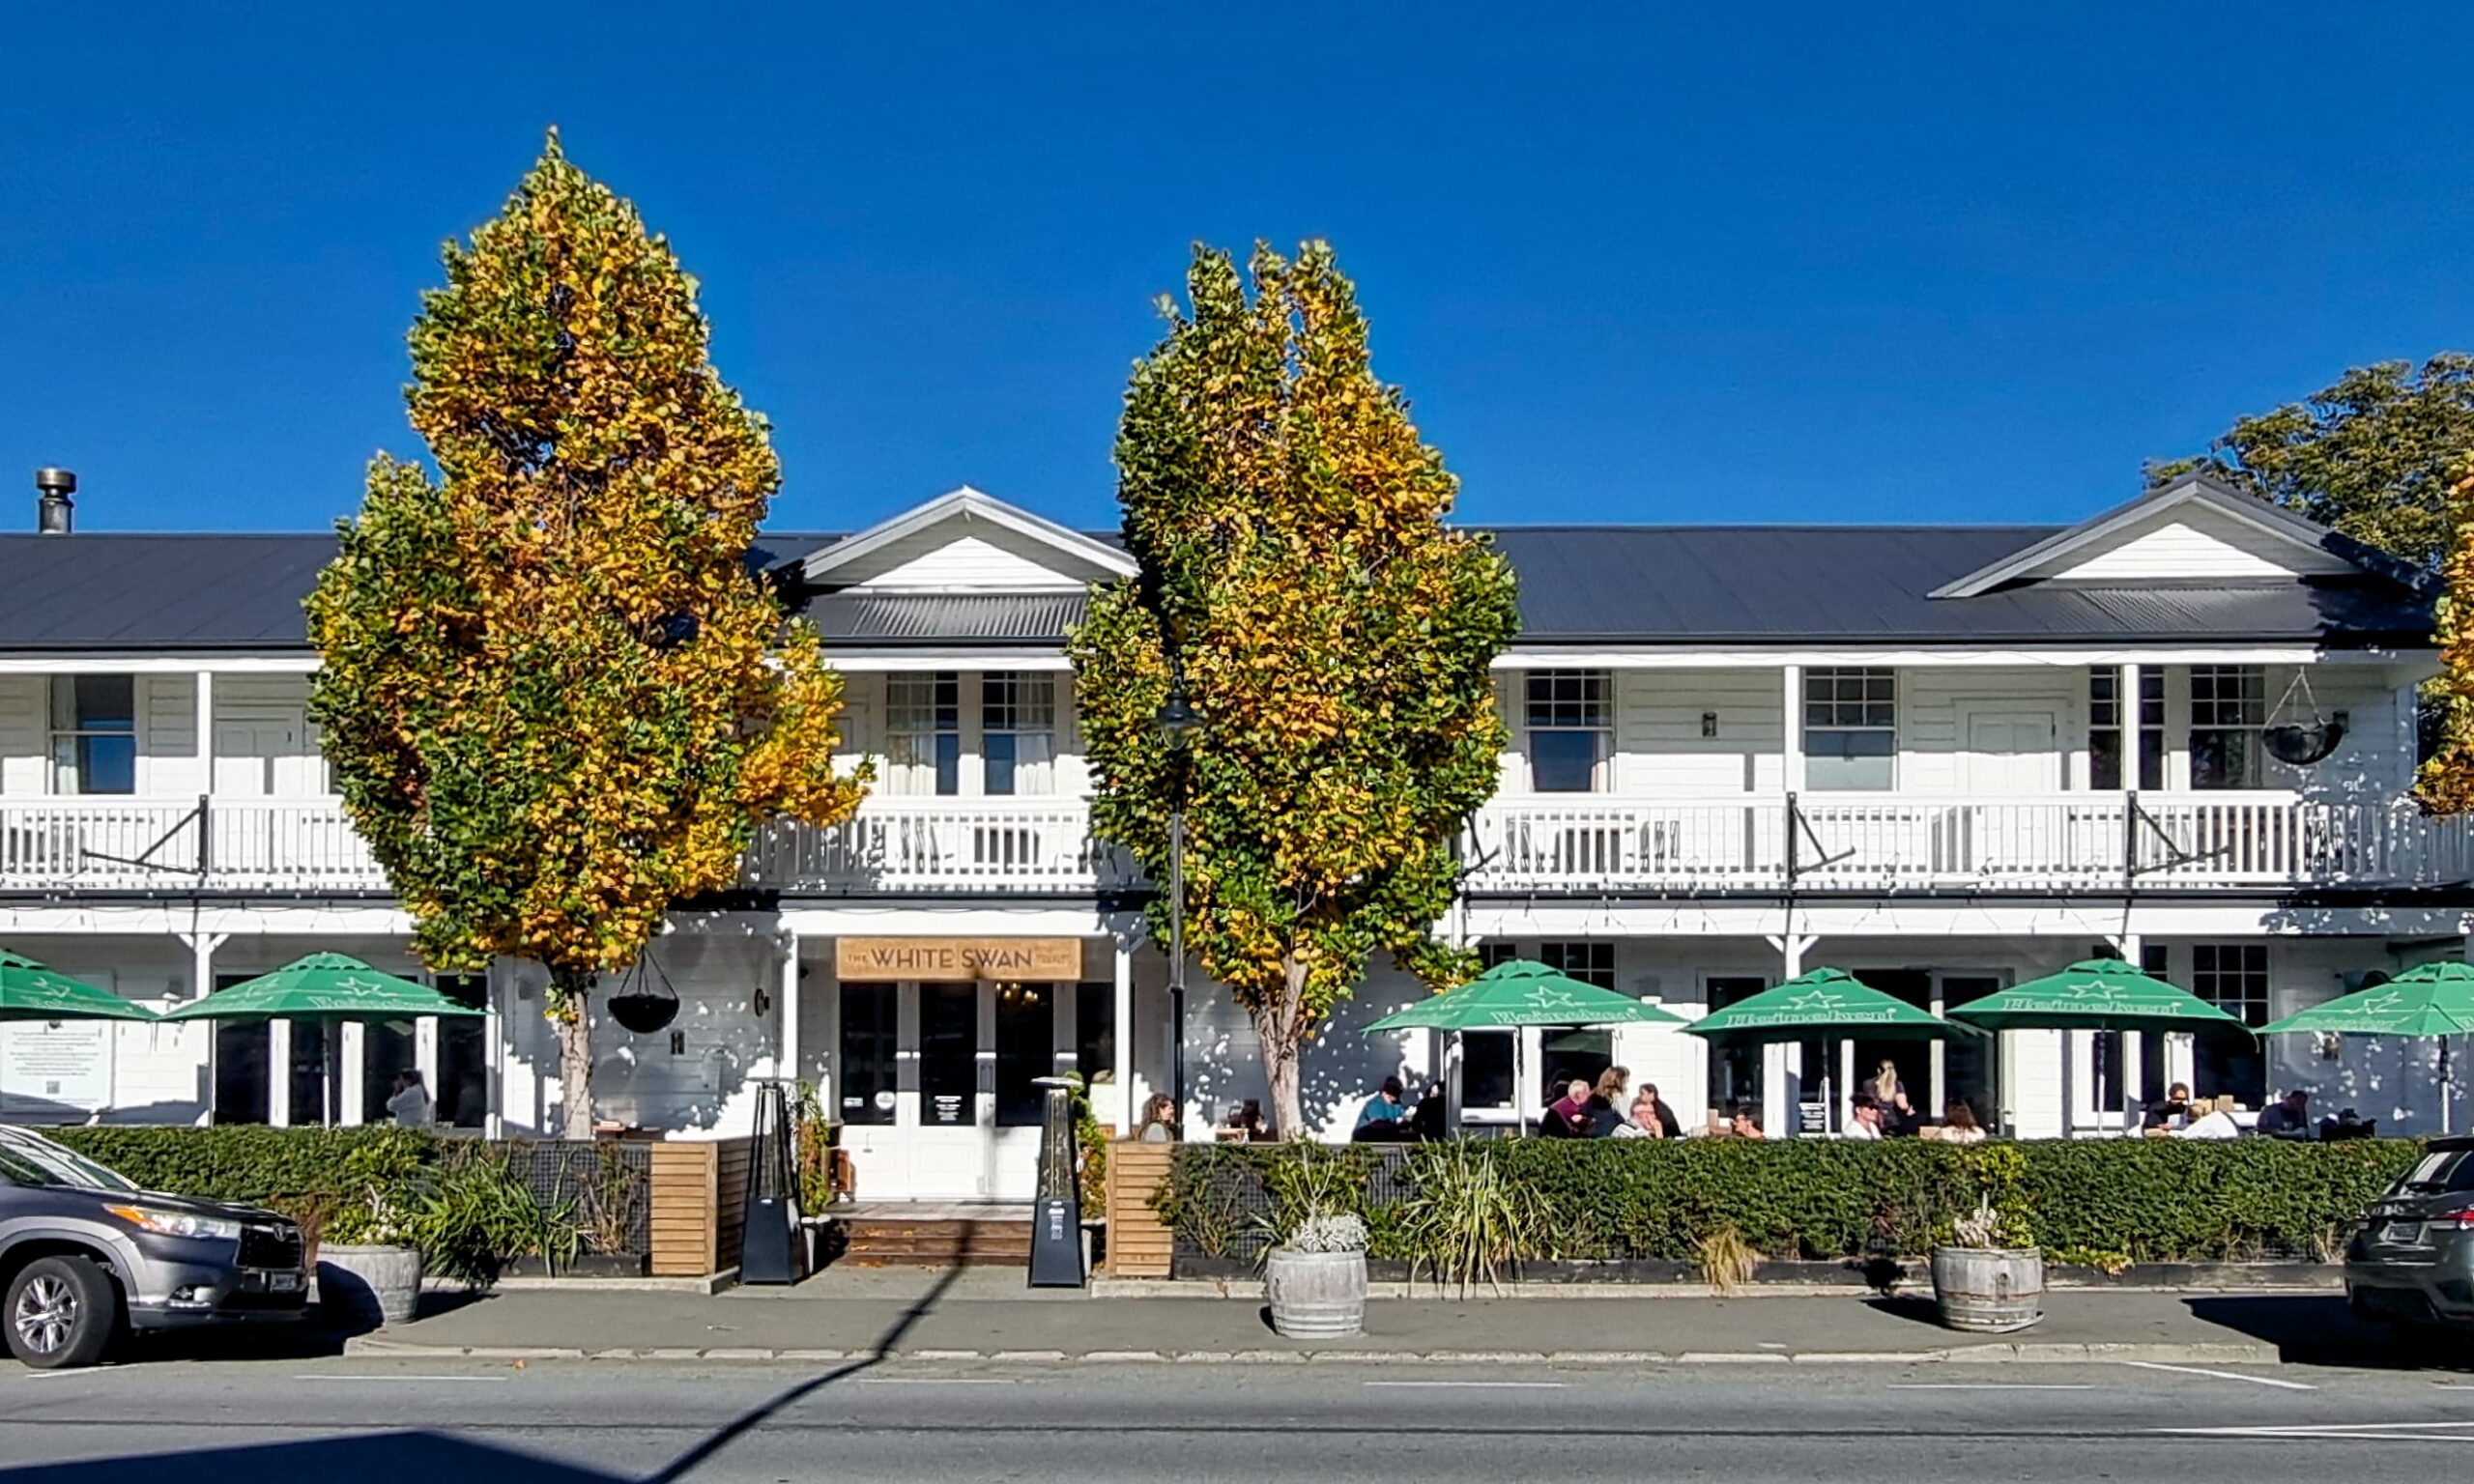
x=949 y=961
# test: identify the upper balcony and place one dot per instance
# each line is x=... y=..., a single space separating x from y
x=1589 y=846
x=1842 y=844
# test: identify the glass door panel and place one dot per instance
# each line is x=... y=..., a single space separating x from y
x=948 y=1056
x=870 y=1016
x=1026 y=1051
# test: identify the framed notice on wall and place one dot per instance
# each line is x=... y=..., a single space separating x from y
x=48 y=1070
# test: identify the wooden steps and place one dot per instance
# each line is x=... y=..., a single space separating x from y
x=900 y=1242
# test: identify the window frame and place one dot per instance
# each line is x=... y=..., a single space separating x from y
x=2240 y=739
x=69 y=730
x=1587 y=711
x=937 y=745
x=1874 y=711
x=2105 y=719
x=1007 y=698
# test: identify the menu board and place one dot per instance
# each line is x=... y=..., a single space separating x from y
x=48 y=1070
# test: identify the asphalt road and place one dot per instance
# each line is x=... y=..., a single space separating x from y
x=471 y=1422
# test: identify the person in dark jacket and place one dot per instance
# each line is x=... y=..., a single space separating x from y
x=1669 y=1126
x=1567 y=1116
x=1426 y=1120
x=1605 y=1106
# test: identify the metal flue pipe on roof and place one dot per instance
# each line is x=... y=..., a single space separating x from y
x=54 y=512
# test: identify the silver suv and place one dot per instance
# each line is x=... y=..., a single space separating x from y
x=84 y=1252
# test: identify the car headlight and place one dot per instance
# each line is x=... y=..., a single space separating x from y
x=176 y=1223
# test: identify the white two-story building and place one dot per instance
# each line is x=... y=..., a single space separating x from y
x=1945 y=758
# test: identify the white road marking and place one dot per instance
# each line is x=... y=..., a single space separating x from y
x=391 y=1377
x=1988 y=1385
x=2193 y=1370
x=1474 y=1385
x=2337 y=1432
x=939 y=1380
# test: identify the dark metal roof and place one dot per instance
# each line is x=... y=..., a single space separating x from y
x=931 y=618
x=1579 y=584
x=1775 y=584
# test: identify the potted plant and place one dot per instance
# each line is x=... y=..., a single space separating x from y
x=1316 y=1279
x=369 y=1272
x=1988 y=1280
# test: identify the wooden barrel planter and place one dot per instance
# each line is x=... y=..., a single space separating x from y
x=1989 y=1290
x=368 y=1287
x=1315 y=1295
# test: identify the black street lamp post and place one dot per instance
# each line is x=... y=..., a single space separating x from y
x=1178 y=720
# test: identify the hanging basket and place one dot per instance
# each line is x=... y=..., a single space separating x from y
x=2303 y=746
x=645 y=1001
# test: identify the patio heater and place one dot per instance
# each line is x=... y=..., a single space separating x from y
x=1056 y=1217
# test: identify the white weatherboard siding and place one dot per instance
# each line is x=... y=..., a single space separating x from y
x=1659 y=746
x=1958 y=728
x=167 y=754
x=24 y=723
x=2192 y=541
x=937 y=560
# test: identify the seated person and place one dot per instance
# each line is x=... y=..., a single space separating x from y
x=2171 y=1111
x=1864 y=1119
x=1748 y=1124
x=2289 y=1117
x=1385 y=1117
x=1567 y=1116
x=1246 y=1121
x=1606 y=1103
x=1426 y=1121
x=1958 y=1126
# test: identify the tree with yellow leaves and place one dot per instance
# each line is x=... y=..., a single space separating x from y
x=557 y=695
x=1300 y=581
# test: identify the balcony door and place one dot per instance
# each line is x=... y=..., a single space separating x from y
x=2009 y=761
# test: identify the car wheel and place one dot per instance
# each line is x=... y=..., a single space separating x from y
x=61 y=1312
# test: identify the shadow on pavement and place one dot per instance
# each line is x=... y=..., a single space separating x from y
x=1918 y=1308
x=374 y=1456
x=2319 y=1329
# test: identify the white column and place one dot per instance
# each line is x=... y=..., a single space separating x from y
x=352 y=1060
x=1791 y=736
x=1121 y=1037
x=494 y=1053
x=1782 y=1063
x=2126 y=1065
x=789 y=995
x=202 y=947
x=206 y=732
x=279 y=1074
x=425 y=1062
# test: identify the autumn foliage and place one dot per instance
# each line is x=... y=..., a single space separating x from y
x=557 y=694
x=1335 y=631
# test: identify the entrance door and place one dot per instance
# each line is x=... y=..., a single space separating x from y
x=967 y=1126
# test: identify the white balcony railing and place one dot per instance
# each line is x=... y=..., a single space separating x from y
x=1880 y=843
x=1567 y=844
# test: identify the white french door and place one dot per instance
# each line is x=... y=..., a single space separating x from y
x=966 y=1105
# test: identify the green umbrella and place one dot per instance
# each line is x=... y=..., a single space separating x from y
x=2430 y=1002
x=323 y=986
x=2096 y=994
x=326 y=987
x=1820 y=1003
x=2435 y=999
x=1522 y=992
x=29 y=991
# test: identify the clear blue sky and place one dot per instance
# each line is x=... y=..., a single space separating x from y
x=1632 y=262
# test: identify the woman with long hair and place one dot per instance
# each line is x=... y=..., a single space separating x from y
x=1159 y=1121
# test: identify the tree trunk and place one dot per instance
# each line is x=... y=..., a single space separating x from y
x=570 y=1011
x=1279 y=1033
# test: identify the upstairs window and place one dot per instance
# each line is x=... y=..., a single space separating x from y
x=1850 y=727
x=923 y=735
x=94 y=734
x=1590 y=962
x=2105 y=727
x=2229 y=708
x=1572 y=730
x=1017 y=732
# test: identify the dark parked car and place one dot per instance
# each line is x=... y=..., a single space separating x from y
x=2413 y=1260
x=84 y=1252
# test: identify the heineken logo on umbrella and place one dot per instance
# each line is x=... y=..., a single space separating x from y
x=1818 y=999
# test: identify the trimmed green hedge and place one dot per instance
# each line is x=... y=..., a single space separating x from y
x=2108 y=1202
x=300 y=1172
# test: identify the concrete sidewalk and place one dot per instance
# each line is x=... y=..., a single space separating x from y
x=991 y=1316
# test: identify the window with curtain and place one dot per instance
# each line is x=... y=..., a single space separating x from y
x=923 y=735
x=1571 y=720
x=1017 y=732
x=94 y=734
x=2232 y=976
x=2105 y=725
x=1850 y=727
x=2229 y=708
